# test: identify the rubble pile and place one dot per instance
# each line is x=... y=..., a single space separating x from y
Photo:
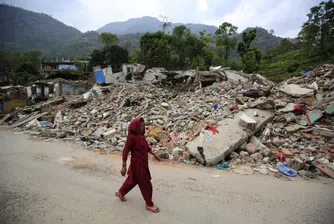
x=246 y=120
x=301 y=135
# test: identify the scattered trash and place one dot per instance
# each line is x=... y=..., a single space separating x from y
x=233 y=107
x=213 y=130
x=286 y=170
x=223 y=166
x=44 y=124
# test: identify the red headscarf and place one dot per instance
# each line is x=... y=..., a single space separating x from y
x=134 y=127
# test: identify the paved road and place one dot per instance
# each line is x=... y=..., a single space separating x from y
x=38 y=184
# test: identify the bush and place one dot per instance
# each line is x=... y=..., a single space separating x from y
x=237 y=65
x=292 y=68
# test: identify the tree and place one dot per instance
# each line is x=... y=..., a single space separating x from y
x=180 y=43
x=113 y=55
x=165 y=23
x=317 y=33
x=155 y=49
x=225 y=40
x=21 y=67
x=284 y=47
x=108 y=39
x=251 y=57
x=271 y=32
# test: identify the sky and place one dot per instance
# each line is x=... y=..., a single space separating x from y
x=285 y=17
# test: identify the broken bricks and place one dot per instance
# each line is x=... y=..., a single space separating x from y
x=175 y=118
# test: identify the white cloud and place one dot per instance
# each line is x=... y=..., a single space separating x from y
x=203 y=5
x=285 y=17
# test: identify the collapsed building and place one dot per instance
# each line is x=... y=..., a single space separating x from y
x=241 y=120
x=46 y=89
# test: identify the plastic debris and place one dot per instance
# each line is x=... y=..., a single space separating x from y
x=286 y=170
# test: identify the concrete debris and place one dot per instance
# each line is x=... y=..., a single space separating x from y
x=231 y=135
x=288 y=108
x=240 y=119
x=323 y=132
x=296 y=90
x=330 y=109
x=247 y=121
x=250 y=148
x=314 y=115
x=231 y=75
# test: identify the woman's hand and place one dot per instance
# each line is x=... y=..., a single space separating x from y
x=123 y=170
x=157 y=157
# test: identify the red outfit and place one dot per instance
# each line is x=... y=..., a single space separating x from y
x=139 y=172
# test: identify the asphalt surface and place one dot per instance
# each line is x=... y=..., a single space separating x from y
x=54 y=182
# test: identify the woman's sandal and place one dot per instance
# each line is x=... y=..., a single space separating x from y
x=123 y=199
x=153 y=209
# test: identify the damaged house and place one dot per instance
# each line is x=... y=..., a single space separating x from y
x=45 y=89
x=129 y=72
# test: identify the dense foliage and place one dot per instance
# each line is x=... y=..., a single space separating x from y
x=21 y=67
x=113 y=55
x=315 y=46
x=179 y=50
x=82 y=47
x=225 y=40
x=23 y=30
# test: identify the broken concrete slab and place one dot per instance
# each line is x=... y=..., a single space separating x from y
x=288 y=108
x=20 y=123
x=248 y=122
x=235 y=77
x=314 y=115
x=231 y=135
x=296 y=90
x=330 y=109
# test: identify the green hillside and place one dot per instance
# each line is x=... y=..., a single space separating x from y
x=23 y=30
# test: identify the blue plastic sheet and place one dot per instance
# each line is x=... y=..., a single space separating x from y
x=286 y=170
x=99 y=76
x=305 y=72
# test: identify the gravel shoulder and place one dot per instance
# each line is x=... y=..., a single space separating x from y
x=55 y=182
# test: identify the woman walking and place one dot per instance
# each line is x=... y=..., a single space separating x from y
x=139 y=172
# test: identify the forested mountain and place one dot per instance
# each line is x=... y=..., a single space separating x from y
x=23 y=30
x=84 y=46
